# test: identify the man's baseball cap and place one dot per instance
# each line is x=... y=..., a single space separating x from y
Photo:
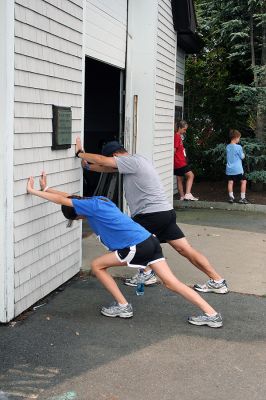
x=111 y=147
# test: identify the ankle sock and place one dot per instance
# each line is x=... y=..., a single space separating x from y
x=219 y=281
x=231 y=194
x=123 y=305
x=243 y=195
x=147 y=273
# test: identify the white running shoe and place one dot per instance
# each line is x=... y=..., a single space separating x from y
x=190 y=197
x=212 y=286
x=150 y=279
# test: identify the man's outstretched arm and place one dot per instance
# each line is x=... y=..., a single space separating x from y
x=95 y=158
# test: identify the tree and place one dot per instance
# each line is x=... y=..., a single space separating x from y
x=232 y=63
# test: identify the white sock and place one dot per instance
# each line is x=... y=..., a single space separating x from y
x=148 y=272
x=231 y=194
x=220 y=281
x=243 y=195
x=123 y=305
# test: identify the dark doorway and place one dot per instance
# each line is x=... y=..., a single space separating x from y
x=102 y=121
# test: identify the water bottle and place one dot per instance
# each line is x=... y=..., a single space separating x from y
x=140 y=283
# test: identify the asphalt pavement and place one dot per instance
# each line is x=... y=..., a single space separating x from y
x=66 y=350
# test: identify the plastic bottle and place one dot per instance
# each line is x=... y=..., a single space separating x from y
x=140 y=283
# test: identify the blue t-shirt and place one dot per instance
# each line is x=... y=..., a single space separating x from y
x=115 y=229
x=234 y=157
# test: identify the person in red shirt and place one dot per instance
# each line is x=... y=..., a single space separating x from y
x=181 y=168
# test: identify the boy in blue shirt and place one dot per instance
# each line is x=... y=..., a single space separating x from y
x=234 y=168
x=129 y=244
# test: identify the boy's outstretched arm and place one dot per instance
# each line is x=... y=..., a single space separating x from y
x=58 y=197
x=43 y=185
x=95 y=158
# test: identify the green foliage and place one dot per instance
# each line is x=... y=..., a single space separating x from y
x=255 y=151
x=225 y=84
x=212 y=160
x=204 y=155
x=257 y=176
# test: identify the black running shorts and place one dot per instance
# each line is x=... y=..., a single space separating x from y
x=162 y=224
x=143 y=254
x=182 y=171
x=236 y=178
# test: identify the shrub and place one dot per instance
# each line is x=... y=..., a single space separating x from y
x=257 y=176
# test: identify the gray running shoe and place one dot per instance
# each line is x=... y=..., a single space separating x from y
x=215 y=321
x=211 y=286
x=115 y=310
x=150 y=279
x=243 y=201
x=231 y=200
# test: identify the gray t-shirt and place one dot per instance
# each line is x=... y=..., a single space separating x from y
x=143 y=189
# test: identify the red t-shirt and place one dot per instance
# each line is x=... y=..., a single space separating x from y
x=180 y=154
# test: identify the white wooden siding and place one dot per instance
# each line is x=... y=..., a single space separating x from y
x=48 y=70
x=180 y=75
x=105 y=31
x=165 y=96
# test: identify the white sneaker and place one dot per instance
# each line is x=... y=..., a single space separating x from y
x=150 y=279
x=190 y=197
x=182 y=198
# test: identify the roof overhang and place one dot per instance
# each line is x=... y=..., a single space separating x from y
x=185 y=24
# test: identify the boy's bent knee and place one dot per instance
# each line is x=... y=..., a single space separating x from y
x=95 y=266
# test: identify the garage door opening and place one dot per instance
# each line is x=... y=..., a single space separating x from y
x=103 y=122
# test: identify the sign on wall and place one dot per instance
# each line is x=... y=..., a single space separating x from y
x=62 y=127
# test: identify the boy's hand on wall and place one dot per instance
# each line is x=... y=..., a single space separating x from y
x=43 y=180
x=30 y=184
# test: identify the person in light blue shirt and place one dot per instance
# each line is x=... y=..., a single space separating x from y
x=129 y=244
x=234 y=168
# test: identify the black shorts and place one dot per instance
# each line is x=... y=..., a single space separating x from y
x=162 y=224
x=236 y=178
x=182 y=171
x=143 y=254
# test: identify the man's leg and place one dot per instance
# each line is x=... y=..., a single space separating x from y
x=195 y=257
x=212 y=318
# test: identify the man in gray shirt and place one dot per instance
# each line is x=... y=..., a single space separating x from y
x=150 y=208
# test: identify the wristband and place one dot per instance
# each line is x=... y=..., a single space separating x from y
x=79 y=151
x=46 y=188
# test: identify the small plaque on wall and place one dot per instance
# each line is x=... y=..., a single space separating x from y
x=62 y=127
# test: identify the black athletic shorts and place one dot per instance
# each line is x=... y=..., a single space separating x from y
x=182 y=171
x=236 y=178
x=143 y=254
x=162 y=224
